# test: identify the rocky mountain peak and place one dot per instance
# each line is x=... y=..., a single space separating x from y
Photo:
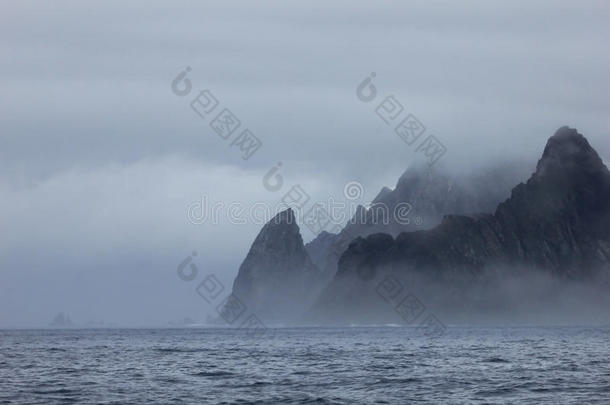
x=284 y=217
x=557 y=225
x=277 y=271
x=567 y=153
x=280 y=234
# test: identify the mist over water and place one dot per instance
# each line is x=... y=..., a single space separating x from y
x=95 y=193
x=347 y=202
x=501 y=296
x=516 y=296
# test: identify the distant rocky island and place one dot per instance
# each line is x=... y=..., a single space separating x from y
x=498 y=245
x=61 y=320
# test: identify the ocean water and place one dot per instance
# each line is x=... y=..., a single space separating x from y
x=372 y=365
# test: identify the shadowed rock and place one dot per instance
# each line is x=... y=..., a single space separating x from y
x=421 y=198
x=557 y=222
x=277 y=279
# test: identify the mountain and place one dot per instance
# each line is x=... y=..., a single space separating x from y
x=556 y=226
x=280 y=277
x=421 y=198
x=277 y=279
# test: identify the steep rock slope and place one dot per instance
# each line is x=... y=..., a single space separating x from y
x=277 y=279
x=557 y=222
x=421 y=198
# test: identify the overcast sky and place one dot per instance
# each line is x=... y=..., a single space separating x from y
x=100 y=159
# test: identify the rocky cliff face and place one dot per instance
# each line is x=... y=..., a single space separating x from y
x=277 y=279
x=557 y=222
x=421 y=198
x=560 y=218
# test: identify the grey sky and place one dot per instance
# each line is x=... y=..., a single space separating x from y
x=99 y=159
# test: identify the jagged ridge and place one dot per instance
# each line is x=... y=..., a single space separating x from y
x=558 y=221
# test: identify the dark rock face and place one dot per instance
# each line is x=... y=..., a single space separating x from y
x=325 y=251
x=319 y=246
x=277 y=280
x=560 y=218
x=420 y=200
x=557 y=222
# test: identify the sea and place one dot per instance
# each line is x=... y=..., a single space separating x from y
x=350 y=365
